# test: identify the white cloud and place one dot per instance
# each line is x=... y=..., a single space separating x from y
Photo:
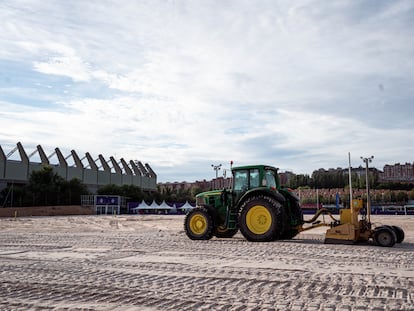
x=181 y=85
x=65 y=63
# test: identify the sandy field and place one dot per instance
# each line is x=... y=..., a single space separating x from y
x=146 y=262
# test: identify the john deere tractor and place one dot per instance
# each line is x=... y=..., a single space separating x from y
x=256 y=204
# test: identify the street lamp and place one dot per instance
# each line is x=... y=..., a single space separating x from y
x=366 y=161
x=216 y=168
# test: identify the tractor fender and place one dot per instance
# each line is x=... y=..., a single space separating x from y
x=291 y=195
x=264 y=191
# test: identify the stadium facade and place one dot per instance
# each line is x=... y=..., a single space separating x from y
x=94 y=173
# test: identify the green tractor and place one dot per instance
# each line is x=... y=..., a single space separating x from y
x=256 y=204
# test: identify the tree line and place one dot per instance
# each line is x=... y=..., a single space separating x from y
x=47 y=188
x=323 y=179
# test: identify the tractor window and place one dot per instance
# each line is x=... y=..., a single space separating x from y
x=254 y=178
x=241 y=180
x=270 y=179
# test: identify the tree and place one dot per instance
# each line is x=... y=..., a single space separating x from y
x=297 y=181
x=195 y=190
x=45 y=186
x=72 y=192
x=401 y=197
x=132 y=192
x=411 y=194
x=13 y=195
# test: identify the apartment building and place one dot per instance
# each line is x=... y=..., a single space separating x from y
x=398 y=172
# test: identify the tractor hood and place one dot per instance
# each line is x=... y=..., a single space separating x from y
x=204 y=197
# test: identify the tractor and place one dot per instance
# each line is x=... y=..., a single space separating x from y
x=256 y=204
x=265 y=211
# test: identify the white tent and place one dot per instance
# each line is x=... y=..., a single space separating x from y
x=142 y=206
x=187 y=207
x=153 y=208
x=153 y=205
x=164 y=208
x=164 y=205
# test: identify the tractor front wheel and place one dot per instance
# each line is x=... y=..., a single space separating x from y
x=384 y=236
x=260 y=219
x=198 y=224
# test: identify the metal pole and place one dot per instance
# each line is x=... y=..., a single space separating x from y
x=317 y=199
x=216 y=168
x=350 y=186
x=350 y=180
x=366 y=161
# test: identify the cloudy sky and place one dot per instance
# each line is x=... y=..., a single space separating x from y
x=183 y=84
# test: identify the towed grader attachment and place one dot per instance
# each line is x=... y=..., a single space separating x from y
x=354 y=227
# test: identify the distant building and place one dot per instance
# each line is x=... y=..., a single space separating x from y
x=94 y=173
x=398 y=173
x=204 y=185
x=284 y=177
x=180 y=186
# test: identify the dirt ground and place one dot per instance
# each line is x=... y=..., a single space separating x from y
x=146 y=262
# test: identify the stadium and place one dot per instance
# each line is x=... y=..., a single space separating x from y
x=15 y=168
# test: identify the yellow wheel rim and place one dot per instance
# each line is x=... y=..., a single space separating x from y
x=258 y=219
x=198 y=224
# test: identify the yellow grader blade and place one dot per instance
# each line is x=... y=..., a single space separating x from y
x=350 y=230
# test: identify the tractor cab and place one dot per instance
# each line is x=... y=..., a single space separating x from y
x=246 y=178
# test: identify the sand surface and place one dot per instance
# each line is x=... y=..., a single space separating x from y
x=146 y=262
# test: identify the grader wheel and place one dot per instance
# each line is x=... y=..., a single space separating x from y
x=260 y=219
x=198 y=224
x=399 y=232
x=385 y=236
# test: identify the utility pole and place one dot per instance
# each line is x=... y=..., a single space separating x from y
x=366 y=161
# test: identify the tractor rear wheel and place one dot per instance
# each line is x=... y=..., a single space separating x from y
x=223 y=232
x=384 y=236
x=198 y=224
x=294 y=219
x=399 y=232
x=260 y=219
x=290 y=234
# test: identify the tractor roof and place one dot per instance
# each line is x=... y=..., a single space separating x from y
x=246 y=167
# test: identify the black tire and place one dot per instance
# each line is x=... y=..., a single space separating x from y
x=198 y=224
x=297 y=213
x=384 y=236
x=399 y=232
x=260 y=219
x=290 y=234
x=294 y=218
x=222 y=232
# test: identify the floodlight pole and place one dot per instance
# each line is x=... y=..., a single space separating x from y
x=366 y=161
x=216 y=168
